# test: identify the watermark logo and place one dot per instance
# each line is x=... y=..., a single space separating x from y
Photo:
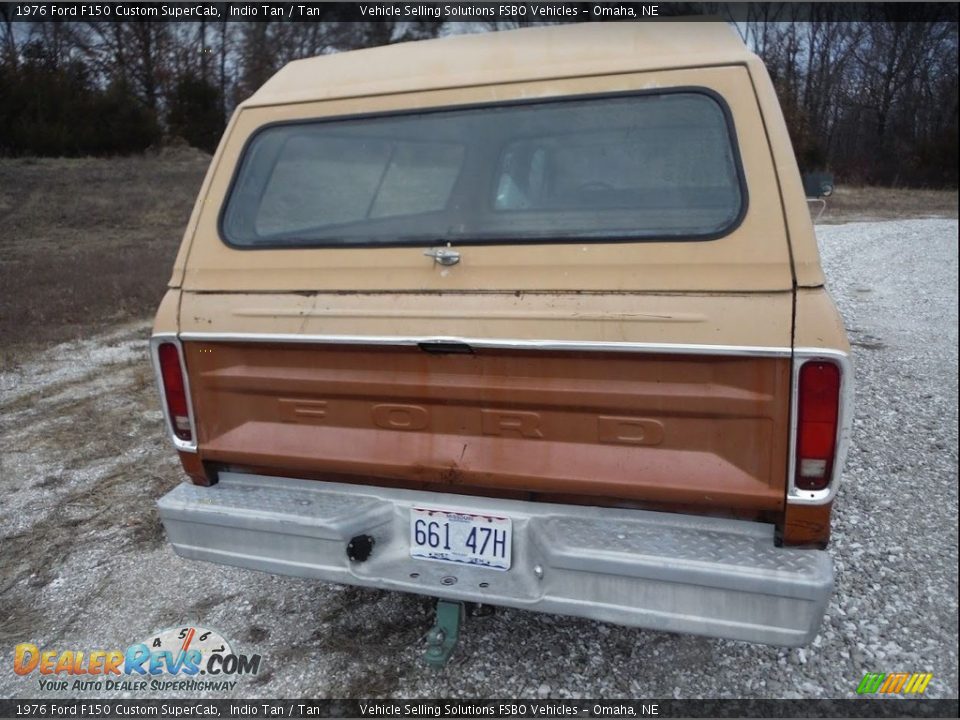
x=172 y=659
x=893 y=683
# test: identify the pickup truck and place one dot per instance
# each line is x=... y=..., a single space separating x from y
x=532 y=319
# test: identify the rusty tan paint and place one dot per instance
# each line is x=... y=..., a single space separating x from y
x=502 y=58
x=734 y=292
x=760 y=319
x=818 y=323
x=755 y=256
x=675 y=429
x=806 y=525
x=192 y=464
x=595 y=54
x=406 y=483
x=803 y=243
x=167 y=317
x=180 y=263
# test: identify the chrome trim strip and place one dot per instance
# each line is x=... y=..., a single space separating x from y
x=795 y=496
x=501 y=343
x=155 y=342
x=554 y=316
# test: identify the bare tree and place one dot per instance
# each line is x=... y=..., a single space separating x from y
x=11 y=54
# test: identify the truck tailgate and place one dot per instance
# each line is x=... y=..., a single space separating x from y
x=702 y=429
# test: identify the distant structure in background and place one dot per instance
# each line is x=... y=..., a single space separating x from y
x=818 y=186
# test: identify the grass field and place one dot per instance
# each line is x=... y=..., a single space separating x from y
x=854 y=204
x=88 y=243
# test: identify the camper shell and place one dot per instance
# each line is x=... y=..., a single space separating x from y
x=556 y=288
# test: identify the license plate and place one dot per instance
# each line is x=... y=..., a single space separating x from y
x=459 y=537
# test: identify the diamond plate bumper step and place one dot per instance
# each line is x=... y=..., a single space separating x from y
x=679 y=573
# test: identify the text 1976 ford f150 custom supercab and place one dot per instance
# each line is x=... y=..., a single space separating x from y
x=532 y=318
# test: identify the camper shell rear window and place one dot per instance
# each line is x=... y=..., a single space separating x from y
x=650 y=166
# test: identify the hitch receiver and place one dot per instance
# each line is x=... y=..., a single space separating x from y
x=443 y=636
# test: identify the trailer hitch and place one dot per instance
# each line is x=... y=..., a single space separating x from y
x=443 y=636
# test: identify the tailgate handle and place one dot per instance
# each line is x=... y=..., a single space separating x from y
x=443 y=256
x=445 y=347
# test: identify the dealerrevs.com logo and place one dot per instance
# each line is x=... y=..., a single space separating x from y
x=184 y=658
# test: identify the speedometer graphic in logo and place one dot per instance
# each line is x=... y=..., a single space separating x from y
x=188 y=651
x=177 y=640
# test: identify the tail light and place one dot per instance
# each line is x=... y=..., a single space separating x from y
x=175 y=391
x=818 y=404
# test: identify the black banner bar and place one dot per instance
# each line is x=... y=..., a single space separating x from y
x=252 y=11
x=111 y=708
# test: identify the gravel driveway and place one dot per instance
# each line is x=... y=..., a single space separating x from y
x=84 y=565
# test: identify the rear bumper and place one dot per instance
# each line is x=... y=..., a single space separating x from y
x=678 y=573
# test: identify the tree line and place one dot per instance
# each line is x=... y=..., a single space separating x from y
x=872 y=100
x=102 y=88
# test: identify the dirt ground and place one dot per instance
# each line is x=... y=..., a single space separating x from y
x=87 y=243
x=87 y=247
x=851 y=204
